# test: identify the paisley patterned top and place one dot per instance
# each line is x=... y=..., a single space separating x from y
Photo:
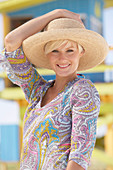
x=62 y=130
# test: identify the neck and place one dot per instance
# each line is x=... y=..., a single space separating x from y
x=60 y=82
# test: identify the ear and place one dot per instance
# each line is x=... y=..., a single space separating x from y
x=81 y=54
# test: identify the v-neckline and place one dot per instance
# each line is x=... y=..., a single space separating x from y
x=50 y=84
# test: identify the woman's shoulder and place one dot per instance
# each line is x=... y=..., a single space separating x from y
x=85 y=92
x=84 y=85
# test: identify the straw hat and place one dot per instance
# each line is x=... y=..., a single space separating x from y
x=96 y=48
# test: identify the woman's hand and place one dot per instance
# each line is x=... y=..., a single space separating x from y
x=68 y=14
x=73 y=166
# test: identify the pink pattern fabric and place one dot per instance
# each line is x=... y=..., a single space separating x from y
x=62 y=130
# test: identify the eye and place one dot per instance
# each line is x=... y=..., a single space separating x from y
x=55 y=51
x=70 y=50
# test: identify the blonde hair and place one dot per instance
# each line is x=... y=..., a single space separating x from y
x=52 y=45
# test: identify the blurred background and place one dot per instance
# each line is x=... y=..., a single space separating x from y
x=97 y=15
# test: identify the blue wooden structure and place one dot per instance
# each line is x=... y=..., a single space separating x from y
x=9 y=143
x=90 y=11
x=9 y=130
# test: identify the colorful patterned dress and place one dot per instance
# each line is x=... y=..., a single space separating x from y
x=62 y=130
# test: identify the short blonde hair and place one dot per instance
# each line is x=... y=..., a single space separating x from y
x=52 y=45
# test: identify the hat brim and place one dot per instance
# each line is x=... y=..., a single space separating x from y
x=96 y=48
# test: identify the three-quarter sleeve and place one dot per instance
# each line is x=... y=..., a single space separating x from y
x=85 y=104
x=21 y=72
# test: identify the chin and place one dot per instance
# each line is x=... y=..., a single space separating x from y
x=65 y=75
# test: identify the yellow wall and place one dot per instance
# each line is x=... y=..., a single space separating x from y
x=6 y=23
x=108 y=3
x=13 y=5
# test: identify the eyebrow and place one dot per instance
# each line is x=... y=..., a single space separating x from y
x=67 y=48
x=70 y=47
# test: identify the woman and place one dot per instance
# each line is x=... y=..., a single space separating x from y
x=60 y=121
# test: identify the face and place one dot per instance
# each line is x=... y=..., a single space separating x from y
x=65 y=60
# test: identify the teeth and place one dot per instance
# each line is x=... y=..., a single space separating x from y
x=63 y=65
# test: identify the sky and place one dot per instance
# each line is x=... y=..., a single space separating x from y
x=108 y=31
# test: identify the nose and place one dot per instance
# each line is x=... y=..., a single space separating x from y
x=62 y=56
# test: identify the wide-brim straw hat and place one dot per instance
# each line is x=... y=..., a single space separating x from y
x=95 y=46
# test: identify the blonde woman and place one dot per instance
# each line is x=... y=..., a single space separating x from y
x=60 y=121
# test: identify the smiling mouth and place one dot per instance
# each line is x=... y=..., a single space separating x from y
x=63 y=66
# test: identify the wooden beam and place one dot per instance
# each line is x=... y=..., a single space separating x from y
x=108 y=3
x=111 y=47
x=103 y=157
x=106 y=120
x=108 y=140
x=6 y=21
x=12 y=5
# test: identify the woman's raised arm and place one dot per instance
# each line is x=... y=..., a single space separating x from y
x=14 y=39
